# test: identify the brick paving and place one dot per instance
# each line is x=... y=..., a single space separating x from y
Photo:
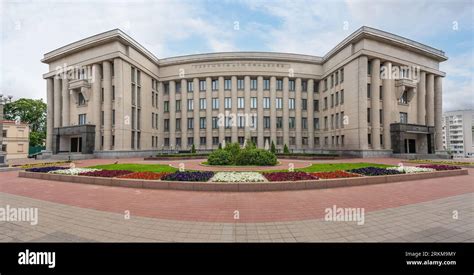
x=405 y=211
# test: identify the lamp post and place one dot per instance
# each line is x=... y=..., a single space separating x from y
x=3 y=101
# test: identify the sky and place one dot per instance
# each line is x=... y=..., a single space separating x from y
x=29 y=29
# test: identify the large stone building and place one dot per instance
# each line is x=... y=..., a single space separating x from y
x=458 y=133
x=15 y=139
x=375 y=93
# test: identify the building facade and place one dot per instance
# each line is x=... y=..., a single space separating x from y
x=375 y=93
x=15 y=141
x=458 y=133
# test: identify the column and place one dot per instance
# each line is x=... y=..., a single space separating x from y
x=430 y=100
x=196 y=113
x=184 y=114
x=438 y=113
x=420 y=99
x=362 y=102
x=310 y=112
x=96 y=104
x=247 y=107
x=260 y=142
x=208 y=113
x=234 y=103
x=387 y=85
x=161 y=114
x=375 y=103
x=119 y=106
x=298 y=115
x=273 y=110
x=65 y=101
x=221 y=97
x=107 y=83
x=172 y=104
x=57 y=102
x=50 y=114
x=286 y=128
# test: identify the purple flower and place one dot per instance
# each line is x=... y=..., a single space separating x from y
x=188 y=176
x=44 y=169
x=374 y=171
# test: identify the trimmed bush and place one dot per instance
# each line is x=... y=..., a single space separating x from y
x=258 y=157
x=220 y=157
x=285 y=150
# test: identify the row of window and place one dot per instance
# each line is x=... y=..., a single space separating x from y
x=334 y=79
x=336 y=99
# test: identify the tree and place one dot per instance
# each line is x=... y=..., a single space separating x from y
x=193 y=149
x=32 y=112
x=273 y=148
x=285 y=150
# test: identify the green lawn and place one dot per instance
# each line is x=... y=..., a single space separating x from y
x=137 y=167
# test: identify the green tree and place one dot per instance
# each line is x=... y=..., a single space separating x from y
x=273 y=148
x=285 y=150
x=193 y=149
x=32 y=112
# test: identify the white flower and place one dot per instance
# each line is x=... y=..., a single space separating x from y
x=411 y=169
x=238 y=177
x=73 y=171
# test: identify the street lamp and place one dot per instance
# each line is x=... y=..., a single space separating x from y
x=3 y=101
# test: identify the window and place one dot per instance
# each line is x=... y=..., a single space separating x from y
x=381 y=140
x=190 y=123
x=332 y=80
x=291 y=122
x=369 y=139
x=304 y=85
x=381 y=116
x=202 y=123
x=369 y=67
x=342 y=119
x=227 y=102
x=202 y=85
x=342 y=97
x=167 y=125
x=102 y=95
x=292 y=85
x=178 y=142
x=113 y=117
x=279 y=140
x=332 y=100
x=337 y=78
x=266 y=84
x=266 y=103
x=253 y=103
x=190 y=86
x=342 y=78
x=342 y=140
x=166 y=106
x=178 y=105
x=292 y=140
x=215 y=84
x=325 y=103
x=240 y=103
x=291 y=103
x=215 y=122
x=202 y=104
x=332 y=121
x=325 y=84
x=368 y=115
x=279 y=102
x=381 y=93
x=240 y=84
x=190 y=141
x=316 y=105
x=241 y=122
x=304 y=123
x=316 y=141
x=304 y=141
x=102 y=118
x=113 y=94
x=215 y=140
x=337 y=120
x=279 y=85
x=215 y=103
x=82 y=119
x=241 y=140
x=325 y=123
x=266 y=122
x=368 y=90
x=153 y=99
x=178 y=87
x=190 y=104
x=337 y=98
x=202 y=140
x=404 y=98
x=316 y=87
x=253 y=84
x=178 y=124
x=316 y=123
x=404 y=118
x=82 y=100
x=326 y=140
x=304 y=104
x=227 y=84
x=279 y=122
x=166 y=88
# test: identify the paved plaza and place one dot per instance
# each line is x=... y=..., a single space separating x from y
x=431 y=210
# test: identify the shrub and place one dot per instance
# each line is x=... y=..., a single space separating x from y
x=259 y=157
x=273 y=148
x=250 y=145
x=193 y=149
x=285 y=150
x=188 y=176
x=233 y=149
x=289 y=176
x=220 y=157
x=374 y=171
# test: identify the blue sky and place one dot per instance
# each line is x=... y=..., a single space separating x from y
x=168 y=28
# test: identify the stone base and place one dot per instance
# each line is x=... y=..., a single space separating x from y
x=45 y=154
x=125 y=154
x=422 y=156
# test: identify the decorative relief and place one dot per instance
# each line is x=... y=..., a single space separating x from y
x=240 y=65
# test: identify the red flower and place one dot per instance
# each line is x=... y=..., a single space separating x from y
x=144 y=175
x=334 y=175
x=288 y=176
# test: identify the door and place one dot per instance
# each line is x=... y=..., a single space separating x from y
x=430 y=148
x=412 y=146
x=74 y=143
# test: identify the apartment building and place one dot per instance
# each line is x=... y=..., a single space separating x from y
x=458 y=129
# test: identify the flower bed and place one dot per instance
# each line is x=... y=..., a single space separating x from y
x=374 y=171
x=238 y=177
x=42 y=164
x=44 y=169
x=288 y=176
x=411 y=169
x=144 y=175
x=106 y=173
x=439 y=167
x=188 y=176
x=73 y=171
x=334 y=175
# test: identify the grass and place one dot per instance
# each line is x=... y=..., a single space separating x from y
x=137 y=167
x=331 y=167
